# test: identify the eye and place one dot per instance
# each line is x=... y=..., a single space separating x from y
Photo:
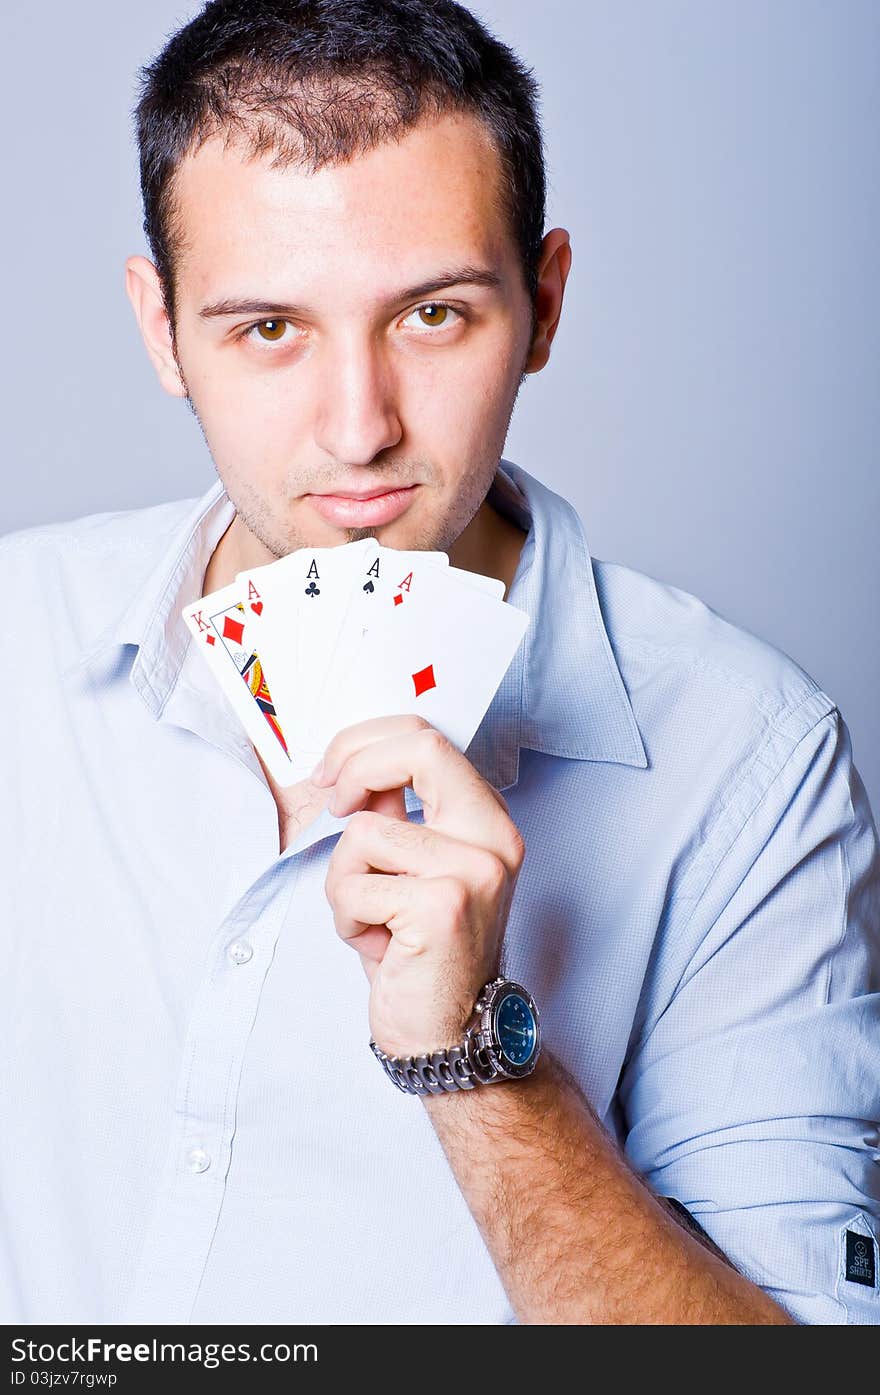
x=268 y=331
x=434 y=314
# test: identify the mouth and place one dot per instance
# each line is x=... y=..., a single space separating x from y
x=361 y=494
x=352 y=510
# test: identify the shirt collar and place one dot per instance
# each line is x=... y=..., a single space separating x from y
x=564 y=682
x=562 y=695
x=151 y=619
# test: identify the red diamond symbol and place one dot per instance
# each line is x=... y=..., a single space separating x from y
x=424 y=679
x=398 y=599
x=233 y=629
x=210 y=639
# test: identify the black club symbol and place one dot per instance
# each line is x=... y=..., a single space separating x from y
x=312 y=589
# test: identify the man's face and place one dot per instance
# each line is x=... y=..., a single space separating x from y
x=337 y=377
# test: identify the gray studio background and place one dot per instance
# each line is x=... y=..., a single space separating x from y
x=711 y=407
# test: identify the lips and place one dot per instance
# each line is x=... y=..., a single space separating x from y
x=353 y=494
x=351 y=511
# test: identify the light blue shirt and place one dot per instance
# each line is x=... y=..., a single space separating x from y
x=194 y=1126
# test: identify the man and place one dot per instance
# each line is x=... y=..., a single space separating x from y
x=657 y=831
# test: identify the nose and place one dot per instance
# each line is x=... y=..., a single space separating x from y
x=357 y=414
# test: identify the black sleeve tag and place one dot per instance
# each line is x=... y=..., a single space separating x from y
x=861 y=1259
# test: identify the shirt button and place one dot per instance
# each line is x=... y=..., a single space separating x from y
x=198 y=1160
x=240 y=951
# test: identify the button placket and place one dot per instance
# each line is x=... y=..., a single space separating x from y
x=190 y=1196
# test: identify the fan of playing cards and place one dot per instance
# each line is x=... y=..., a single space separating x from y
x=326 y=637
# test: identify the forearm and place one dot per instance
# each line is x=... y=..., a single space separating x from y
x=575 y=1234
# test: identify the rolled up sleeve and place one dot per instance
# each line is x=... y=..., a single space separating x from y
x=753 y=1093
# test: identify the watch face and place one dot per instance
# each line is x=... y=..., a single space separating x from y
x=515 y=1025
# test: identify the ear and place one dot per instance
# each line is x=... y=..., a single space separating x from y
x=145 y=293
x=553 y=270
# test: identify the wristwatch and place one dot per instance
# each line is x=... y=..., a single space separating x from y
x=502 y=1041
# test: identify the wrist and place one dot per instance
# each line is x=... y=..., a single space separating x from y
x=441 y=1036
x=422 y=1021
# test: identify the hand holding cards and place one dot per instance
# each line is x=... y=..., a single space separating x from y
x=326 y=637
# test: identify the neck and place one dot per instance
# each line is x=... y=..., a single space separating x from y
x=490 y=545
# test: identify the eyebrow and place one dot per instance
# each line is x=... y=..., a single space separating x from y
x=460 y=276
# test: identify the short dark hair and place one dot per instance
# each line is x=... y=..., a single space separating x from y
x=318 y=81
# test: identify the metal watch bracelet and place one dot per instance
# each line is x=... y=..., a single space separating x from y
x=437 y=1072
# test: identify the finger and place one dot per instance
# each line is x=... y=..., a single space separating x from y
x=391 y=803
x=373 y=841
x=419 y=913
x=351 y=739
x=371 y=945
x=455 y=798
x=368 y=901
